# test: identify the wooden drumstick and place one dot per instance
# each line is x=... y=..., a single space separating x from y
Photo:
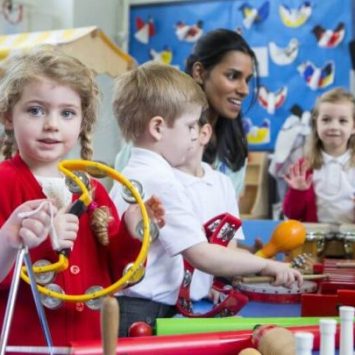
x=273 y=340
x=261 y=279
x=345 y=264
x=109 y=325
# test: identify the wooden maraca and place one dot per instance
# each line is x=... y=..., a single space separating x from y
x=249 y=351
x=109 y=325
x=287 y=236
x=274 y=340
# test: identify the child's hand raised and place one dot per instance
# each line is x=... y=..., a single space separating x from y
x=297 y=177
x=66 y=226
x=284 y=275
x=29 y=230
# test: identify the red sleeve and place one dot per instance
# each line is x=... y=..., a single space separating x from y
x=300 y=205
x=123 y=248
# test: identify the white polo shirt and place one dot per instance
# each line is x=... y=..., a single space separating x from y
x=210 y=195
x=164 y=269
x=334 y=185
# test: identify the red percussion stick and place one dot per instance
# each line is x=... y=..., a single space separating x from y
x=222 y=343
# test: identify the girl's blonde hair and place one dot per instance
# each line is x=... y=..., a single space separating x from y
x=315 y=145
x=153 y=90
x=49 y=62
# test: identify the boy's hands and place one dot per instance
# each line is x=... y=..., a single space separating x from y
x=156 y=213
x=284 y=275
x=30 y=231
x=297 y=177
x=216 y=296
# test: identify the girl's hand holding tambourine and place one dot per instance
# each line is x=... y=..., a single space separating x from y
x=66 y=226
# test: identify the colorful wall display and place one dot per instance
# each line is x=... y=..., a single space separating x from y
x=302 y=48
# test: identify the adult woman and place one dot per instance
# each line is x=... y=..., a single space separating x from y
x=223 y=64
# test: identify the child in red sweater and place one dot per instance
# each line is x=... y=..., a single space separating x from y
x=48 y=103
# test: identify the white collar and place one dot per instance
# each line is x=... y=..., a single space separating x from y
x=341 y=159
x=152 y=157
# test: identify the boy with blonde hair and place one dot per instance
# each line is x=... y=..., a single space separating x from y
x=158 y=108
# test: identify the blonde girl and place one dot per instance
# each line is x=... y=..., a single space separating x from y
x=322 y=185
x=48 y=103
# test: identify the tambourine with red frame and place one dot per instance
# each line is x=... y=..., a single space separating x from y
x=219 y=230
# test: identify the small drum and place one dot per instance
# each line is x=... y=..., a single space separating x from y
x=265 y=292
x=347 y=233
x=316 y=236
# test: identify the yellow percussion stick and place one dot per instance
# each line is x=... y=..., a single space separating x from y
x=260 y=279
x=344 y=264
x=109 y=325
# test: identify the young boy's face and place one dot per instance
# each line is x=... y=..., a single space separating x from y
x=203 y=137
x=179 y=138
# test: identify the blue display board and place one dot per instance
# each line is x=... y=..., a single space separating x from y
x=302 y=47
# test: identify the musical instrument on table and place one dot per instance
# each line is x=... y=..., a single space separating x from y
x=273 y=340
x=109 y=319
x=221 y=343
x=347 y=231
x=339 y=278
x=266 y=292
x=287 y=236
x=316 y=234
x=337 y=289
x=328 y=241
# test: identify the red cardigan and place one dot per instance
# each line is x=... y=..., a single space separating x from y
x=90 y=264
x=301 y=205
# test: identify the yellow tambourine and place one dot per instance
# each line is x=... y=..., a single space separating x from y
x=136 y=270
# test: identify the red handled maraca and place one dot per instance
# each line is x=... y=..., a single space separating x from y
x=274 y=340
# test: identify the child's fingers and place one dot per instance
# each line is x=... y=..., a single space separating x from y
x=156 y=210
x=37 y=221
x=33 y=234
